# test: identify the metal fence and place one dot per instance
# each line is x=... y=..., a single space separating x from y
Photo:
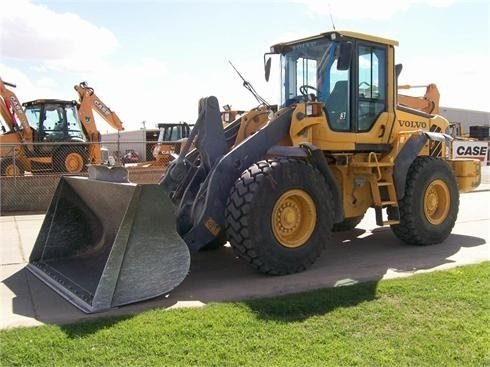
x=30 y=173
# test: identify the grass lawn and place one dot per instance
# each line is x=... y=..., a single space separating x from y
x=435 y=319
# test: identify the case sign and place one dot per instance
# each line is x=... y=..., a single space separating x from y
x=471 y=149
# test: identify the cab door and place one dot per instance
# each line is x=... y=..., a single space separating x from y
x=372 y=112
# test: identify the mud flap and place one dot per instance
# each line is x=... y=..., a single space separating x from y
x=105 y=244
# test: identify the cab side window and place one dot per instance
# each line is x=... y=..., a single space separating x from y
x=372 y=85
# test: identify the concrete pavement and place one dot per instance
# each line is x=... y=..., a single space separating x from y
x=366 y=253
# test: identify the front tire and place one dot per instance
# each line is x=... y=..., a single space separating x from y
x=71 y=160
x=430 y=206
x=279 y=215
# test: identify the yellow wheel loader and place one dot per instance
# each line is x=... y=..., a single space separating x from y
x=338 y=145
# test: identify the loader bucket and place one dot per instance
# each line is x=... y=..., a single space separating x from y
x=105 y=244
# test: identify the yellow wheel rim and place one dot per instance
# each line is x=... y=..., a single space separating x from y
x=12 y=170
x=74 y=163
x=293 y=218
x=437 y=202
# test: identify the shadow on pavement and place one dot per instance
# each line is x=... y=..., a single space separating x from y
x=355 y=257
x=356 y=267
x=299 y=307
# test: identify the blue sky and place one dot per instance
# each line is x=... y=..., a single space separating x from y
x=152 y=60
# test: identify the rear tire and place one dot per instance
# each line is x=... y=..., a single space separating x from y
x=429 y=208
x=9 y=168
x=273 y=220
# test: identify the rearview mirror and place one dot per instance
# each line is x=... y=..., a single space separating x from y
x=345 y=56
x=267 y=68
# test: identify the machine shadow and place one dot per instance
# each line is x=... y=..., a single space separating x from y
x=355 y=260
x=347 y=274
x=352 y=268
x=299 y=307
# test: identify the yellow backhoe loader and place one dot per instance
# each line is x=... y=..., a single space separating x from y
x=52 y=134
x=338 y=145
x=170 y=140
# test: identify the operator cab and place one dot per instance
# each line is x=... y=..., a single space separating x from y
x=54 y=120
x=169 y=137
x=347 y=71
x=173 y=132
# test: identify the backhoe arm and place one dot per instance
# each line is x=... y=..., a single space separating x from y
x=11 y=111
x=88 y=103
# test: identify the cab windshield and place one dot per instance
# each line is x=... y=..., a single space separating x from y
x=169 y=133
x=55 y=120
x=33 y=114
x=313 y=66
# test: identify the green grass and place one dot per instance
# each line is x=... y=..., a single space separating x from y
x=435 y=319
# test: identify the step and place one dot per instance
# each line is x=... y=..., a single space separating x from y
x=390 y=222
x=391 y=203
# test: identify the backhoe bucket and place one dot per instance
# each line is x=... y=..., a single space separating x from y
x=105 y=244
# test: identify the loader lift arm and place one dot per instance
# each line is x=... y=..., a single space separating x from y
x=428 y=103
x=206 y=175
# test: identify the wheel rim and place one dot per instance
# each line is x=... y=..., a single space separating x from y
x=12 y=170
x=436 y=202
x=74 y=163
x=293 y=218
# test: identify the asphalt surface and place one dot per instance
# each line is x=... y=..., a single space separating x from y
x=366 y=253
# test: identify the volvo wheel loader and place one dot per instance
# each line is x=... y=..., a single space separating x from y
x=338 y=146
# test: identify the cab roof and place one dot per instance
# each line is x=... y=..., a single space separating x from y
x=48 y=101
x=335 y=35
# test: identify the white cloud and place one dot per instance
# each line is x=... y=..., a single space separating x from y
x=374 y=9
x=46 y=53
x=57 y=40
x=27 y=88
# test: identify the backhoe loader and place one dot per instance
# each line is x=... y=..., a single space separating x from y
x=169 y=142
x=53 y=135
x=338 y=145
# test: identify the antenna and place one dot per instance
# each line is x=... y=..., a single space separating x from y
x=250 y=88
x=331 y=17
